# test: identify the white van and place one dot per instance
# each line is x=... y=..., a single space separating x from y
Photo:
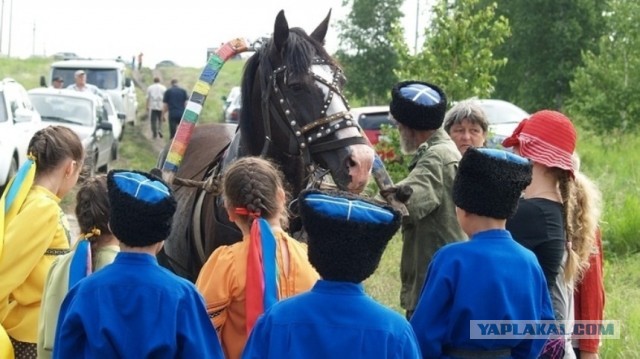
x=107 y=75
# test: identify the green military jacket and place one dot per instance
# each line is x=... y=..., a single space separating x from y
x=432 y=220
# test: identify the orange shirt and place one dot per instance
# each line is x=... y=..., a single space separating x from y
x=222 y=284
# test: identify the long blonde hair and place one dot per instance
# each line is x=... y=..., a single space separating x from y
x=584 y=208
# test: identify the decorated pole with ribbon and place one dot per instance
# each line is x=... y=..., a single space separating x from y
x=198 y=96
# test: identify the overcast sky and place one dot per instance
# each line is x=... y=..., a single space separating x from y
x=178 y=30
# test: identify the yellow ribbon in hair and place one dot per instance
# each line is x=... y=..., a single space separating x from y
x=10 y=203
x=94 y=232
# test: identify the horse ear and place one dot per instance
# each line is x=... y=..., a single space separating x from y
x=321 y=31
x=280 y=31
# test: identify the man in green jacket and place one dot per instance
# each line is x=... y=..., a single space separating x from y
x=419 y=109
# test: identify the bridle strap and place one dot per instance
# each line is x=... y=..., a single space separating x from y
x=335 y=144
x=304 y=140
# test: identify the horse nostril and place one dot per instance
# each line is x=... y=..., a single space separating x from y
x=351 y=163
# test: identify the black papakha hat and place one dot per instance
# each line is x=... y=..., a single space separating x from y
x=418 y=105
x=347 y=234
x=142 y=207
x=489 y=182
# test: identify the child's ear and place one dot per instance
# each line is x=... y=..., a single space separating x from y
x=231 y=214
x=69 y=168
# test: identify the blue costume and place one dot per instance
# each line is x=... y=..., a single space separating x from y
x=490 y=277
x=334 y=317
x=134 y=308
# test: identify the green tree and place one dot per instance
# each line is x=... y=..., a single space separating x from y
x=458 y=50
x=371 y=46
x=605 y=90
x=544 y=51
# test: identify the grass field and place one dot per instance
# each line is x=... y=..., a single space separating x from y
x=611 y=162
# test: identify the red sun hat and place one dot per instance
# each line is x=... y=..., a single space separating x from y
x=547 y=137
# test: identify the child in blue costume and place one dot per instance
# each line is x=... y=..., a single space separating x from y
x=490 y=277
x=134 y=308
x=336 y=318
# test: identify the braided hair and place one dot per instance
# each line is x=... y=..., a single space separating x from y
x=52 y=145
x=92 y=206
x=253 y=183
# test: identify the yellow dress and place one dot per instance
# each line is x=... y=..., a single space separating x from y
x=37 y=234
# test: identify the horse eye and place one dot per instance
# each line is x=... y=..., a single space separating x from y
x=295 y=86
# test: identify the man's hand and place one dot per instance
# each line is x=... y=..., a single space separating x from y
x=401 y=193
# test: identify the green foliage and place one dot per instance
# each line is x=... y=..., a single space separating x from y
x=458 y=50
x=548 y=38
x=384 y=285
x=26 y=71
x=605 y=89
x=135 y=152
x=396 y=163
x=371 y=46
x=622 y=287
x=613 y=167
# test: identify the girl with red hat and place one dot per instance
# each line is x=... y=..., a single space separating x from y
x=547 y=218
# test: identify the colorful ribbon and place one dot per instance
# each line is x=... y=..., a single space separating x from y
x=80 y=263
x=196 y=102
x=262 y=270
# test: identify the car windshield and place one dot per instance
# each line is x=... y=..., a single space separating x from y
x=498 y=113
x=64 y=109
x=3 y=109
x=106 y=79
x=374 y=121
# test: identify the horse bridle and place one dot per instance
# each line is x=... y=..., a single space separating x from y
x=307 y=137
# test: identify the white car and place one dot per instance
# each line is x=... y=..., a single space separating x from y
x=19 y=121
x=117 y=122
x=116 y=119
x=503 y=118
x=107 y=75
x=85 y=114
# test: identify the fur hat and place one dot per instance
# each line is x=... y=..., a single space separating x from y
x=142 y=207
x=547 y=137
x=347 y=234
x=489 y=182
x=418 y=105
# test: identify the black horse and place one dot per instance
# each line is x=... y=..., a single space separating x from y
x=293 y=113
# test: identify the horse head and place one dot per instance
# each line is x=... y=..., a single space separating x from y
x=293 y=110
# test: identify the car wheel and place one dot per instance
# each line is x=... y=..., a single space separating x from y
x=13 y=169
x=114 y=150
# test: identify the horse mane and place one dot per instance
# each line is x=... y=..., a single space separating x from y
x=299 y=52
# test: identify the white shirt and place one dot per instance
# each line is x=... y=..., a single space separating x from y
x=155 y=94
x=87 y=88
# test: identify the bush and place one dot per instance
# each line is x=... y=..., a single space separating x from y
x=396 y=163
